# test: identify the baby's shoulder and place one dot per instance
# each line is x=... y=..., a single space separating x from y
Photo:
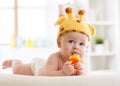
x=54 y=55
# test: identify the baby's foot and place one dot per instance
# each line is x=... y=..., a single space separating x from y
x=7 y=64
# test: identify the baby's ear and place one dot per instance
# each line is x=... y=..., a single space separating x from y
x=92 y=29
x=59 y=42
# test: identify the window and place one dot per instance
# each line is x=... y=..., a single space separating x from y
x=34 y=19
x=6 y=21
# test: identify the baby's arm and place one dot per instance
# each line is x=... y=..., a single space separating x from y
x=17 y=67
x=52 y=67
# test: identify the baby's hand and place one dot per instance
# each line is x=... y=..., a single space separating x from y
x=68 y=69
x=80 y=68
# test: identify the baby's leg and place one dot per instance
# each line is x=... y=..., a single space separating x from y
x=10 y=63
x=18 y=67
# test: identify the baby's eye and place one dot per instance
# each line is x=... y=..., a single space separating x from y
x=82 y=44
x=71 y=41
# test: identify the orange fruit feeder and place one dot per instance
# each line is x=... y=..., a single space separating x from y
x=74 y=59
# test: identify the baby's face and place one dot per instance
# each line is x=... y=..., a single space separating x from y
x=73 y=43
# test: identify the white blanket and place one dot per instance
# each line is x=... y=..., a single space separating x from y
x=102 y=79
x=84 y=80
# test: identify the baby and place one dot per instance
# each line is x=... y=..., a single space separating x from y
x=73 y=38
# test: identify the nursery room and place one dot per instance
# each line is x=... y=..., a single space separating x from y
x=28 y=31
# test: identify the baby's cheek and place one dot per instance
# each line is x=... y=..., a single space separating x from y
x=82 y=52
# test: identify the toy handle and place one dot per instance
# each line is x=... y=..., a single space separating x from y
x=74 y=59
x=75 y=69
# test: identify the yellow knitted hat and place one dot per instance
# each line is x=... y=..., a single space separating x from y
x=71 y=24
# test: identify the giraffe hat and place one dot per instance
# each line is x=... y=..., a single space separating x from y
x=71 y=24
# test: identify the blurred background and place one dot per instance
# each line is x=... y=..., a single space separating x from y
x=27 y=30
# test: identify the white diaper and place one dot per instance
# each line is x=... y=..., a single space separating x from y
x=37 y=65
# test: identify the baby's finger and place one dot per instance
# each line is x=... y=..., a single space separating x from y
x=81 y=72
x=4 y=67
x=79 y=66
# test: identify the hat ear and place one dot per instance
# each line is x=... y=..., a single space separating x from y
x=92 y=29
x=60 y=20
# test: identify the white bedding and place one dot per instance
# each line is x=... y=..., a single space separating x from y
x=101 y=79
x=85 y=80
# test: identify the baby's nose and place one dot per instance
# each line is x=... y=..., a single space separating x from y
x=76 y=46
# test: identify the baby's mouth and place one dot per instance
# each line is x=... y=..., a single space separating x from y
x=74 y=53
